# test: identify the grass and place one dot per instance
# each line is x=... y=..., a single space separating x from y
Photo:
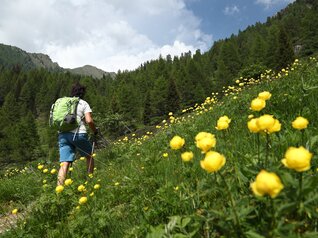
x=145 y=194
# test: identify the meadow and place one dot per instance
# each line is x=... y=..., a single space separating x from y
x=240 y=165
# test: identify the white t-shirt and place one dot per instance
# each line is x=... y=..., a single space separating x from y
x=82 y=108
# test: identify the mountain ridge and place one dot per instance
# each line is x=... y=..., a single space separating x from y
x=11 y=56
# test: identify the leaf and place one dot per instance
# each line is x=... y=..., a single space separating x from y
x=252 y=234
x=312 y=141
x=185 y=221
x=310 y=235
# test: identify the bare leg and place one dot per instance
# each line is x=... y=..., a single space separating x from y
x=90 y=164
x=62 y=173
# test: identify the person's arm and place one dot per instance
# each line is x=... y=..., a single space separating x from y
x=89 y=120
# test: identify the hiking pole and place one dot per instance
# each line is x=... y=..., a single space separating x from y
x=91 y=157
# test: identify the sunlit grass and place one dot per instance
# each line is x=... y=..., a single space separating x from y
x=207 y=171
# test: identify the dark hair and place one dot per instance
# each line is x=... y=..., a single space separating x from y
x=78 y=90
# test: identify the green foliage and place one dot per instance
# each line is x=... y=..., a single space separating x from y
x=161 y=196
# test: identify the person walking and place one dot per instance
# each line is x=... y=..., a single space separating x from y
x=77 y=139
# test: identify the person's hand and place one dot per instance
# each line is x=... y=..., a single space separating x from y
x=96 y=134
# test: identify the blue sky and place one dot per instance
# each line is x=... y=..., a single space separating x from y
x=221 y=18
x=120 y=34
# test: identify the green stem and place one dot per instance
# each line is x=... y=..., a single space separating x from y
x=302 y=137
x=237 y=221
x=300 y=198
x=267 y=150
x=258 y=150
x=273 y=222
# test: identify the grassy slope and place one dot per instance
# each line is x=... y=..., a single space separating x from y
x=141 y=190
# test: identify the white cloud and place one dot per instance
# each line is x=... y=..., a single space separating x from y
x=111 y=35
x=270 y=3
x=231 y=10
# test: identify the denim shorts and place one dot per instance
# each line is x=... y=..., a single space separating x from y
x=70 y=144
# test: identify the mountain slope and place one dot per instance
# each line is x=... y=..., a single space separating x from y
x=11 y=56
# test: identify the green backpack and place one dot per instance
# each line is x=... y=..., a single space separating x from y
x=63 y=114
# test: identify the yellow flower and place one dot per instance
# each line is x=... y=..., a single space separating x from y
x=59 y=188
x=44 y=181
x=68 y=182
x=265 y=122
x=93 y=155
x=40 y=166
x=45 y=171
x=81 y=188
x=297 y=159
x=116 y=184
x=91 y=194
x=213 y=161
x=97 y=186
x=225 y=118
x=267 y=183
x=82 y=158
x=275 y=128
x=91 y=175
x=222 y=125
x=82 y=200
x=258 y=104
x=300 y=123
x=71 y=169
x=14 y=211
x=250 y=116
x=252 y=125
x=187 y=156
x=264 y=95
x=205 y=141
x=177 y=142
x=53 y=171
x=165 y=155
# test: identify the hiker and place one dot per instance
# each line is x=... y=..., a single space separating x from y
x=77 y=139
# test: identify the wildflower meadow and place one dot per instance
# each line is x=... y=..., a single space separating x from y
x=240 y=165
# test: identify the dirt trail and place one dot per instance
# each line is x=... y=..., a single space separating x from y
x=8 y=221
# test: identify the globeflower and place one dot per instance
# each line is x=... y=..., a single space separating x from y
x=40 y=166
x=252 y=125
x=223 y=123
x=265 y=122
x=275 y=128
x=97 y=186
x=53 y=171
x=45 y=171
x=82 y=200
x=267 y=183
x=258 y=104
x=187 y=156
x=59 y=188
x=300 y=123
x=205 y=141
x=81 y=188
x=297 y=159
x=68 y=182
x=213 y=161
x=264 y=95
x=14 y=211
x=176 y=143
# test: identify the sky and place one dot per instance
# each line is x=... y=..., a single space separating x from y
x=123 y=34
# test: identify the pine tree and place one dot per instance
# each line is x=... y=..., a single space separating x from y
x=285 y=52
